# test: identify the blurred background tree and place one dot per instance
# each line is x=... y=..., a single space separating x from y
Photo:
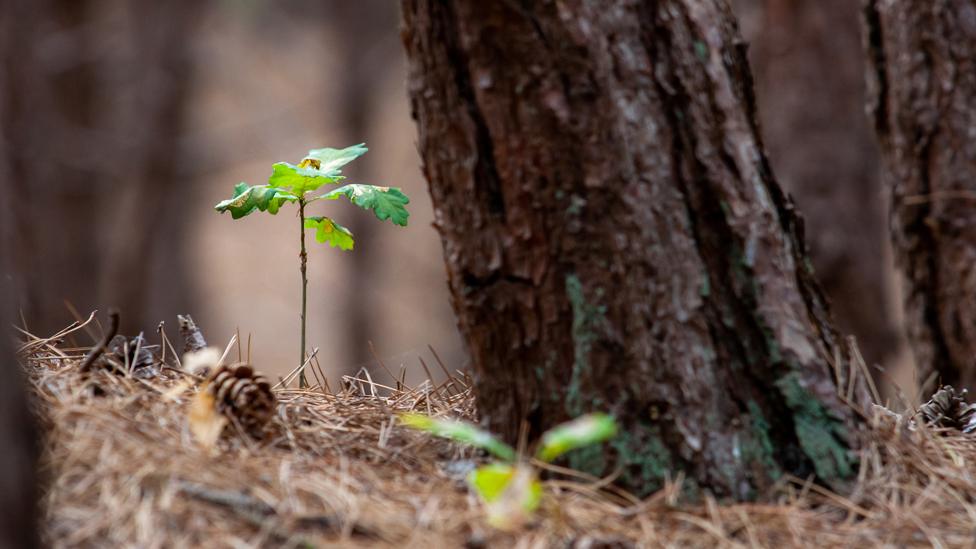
x=922 y=77
x=367 y=32
x=810 y=89
x=94 y=97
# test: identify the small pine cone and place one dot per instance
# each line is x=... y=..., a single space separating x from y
x=948 y=408
x=121 y=351
x=243 y=396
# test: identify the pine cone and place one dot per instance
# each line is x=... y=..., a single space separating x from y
x=243 y=396
x=948 y=408
x=122 y=350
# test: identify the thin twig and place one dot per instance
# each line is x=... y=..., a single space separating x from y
x=37 y=341
x=74 y=312
x=316 y=376
x=230 y=345
x=440 y=363
x=297 y=371
x=159 y=331
x=325 y=379
x=97 y=350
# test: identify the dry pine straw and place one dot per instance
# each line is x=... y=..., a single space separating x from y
x=123 y=470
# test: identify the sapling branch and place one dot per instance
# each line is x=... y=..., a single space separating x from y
x=297 y=183
x=302 y=382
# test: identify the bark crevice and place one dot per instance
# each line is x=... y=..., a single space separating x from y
x=485 y=170
x=922 y=64
x=877 y=63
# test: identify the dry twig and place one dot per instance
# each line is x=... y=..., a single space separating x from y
x=97 y=350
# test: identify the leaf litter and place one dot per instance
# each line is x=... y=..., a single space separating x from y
x=124 y=469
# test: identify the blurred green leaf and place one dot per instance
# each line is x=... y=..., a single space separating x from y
x=582 y=431
x=246 y=199
x=327 y=230
x=332 y=159
x=461 y=432
x=386 y=202
x=300 y=179
x=489 y=481
x=511 y=492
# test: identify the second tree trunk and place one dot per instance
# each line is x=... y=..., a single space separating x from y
x=922 y=80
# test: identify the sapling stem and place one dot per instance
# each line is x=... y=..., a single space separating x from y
x=302 y=382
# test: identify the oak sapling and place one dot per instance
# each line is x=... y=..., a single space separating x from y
x=298 y=184
x=510 y=487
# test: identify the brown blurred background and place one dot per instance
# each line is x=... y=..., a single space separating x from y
x=123 y=122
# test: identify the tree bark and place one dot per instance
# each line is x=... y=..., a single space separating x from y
x=19 y=441
x=19 y=446
x=810 y=90
x=615 y=240
x=922 y=82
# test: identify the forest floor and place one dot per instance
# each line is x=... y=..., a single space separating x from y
x=123 y=469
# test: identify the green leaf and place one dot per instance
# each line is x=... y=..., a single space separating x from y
x=300 y=179
x=333 y=159
x=510 y=492
x=582 y=431
x=246 y=199
x=329 y=231
x=386 y=202
x=489 y=481
x=461 y=432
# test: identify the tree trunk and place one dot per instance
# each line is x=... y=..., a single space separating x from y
x=922 y=85
x=615 y=240
x=363 y=28
x=810 y=88
x=19 y=444
x=150 y=219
